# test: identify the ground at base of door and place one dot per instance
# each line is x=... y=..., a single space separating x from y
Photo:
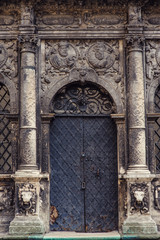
x=77 y=236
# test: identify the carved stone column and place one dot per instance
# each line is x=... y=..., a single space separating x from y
x=139 y=221
x=28 y=151
x=136 y=105
x=27 y=179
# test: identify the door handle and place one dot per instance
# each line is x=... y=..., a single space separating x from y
x=83 y=185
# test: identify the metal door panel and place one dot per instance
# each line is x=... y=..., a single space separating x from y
x=101 y=193
x=66 y=174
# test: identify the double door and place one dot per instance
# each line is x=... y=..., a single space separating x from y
x=84 y=186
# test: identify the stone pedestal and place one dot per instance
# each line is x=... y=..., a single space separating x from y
x=139 y=225
x=139 y=221
x=27 y=192
x=26 y=225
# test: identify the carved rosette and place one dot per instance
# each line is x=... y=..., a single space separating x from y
x=135 y=43
x=139 y=198
x=27 y=198
x=28 y=43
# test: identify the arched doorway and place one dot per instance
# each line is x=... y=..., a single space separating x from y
x=83 y=146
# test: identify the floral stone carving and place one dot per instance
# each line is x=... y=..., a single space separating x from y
x=27 y=198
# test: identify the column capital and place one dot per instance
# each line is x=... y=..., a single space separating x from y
x=135 y=42
x=28 y=42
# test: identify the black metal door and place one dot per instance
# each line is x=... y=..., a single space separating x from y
x=84 y=184
x=84 y=174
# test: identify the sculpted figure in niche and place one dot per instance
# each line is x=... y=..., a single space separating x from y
x=63 y=56
x=27 y=18
x=101 y=56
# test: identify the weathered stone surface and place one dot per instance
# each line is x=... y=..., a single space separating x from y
x=139 y=225
x=25 y=226
x=45 y=45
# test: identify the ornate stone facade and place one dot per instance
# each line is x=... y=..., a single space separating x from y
x=46 y=45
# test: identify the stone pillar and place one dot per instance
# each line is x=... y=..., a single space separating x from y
x=28 y=148
x=136 y=105
x=138 y=178
x=27 y=179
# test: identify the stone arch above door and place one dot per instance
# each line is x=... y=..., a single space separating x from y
x=114 y=93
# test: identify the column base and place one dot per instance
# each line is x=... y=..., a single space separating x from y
x=27 y=167
x=138 y=170
x=139 y=225
x=22 y=225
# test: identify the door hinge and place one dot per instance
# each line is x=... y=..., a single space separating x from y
x=83 y=185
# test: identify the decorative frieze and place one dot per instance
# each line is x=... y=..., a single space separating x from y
x=150 y=15
x=80 y=14
x=9 y=17
x=65 y=57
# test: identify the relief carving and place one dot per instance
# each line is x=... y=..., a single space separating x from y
x=63 y=56
x=10 y=15
x=9 y=20
x=152 y=61
x=157 y=197
x=27 y=198
x=28 y=42
x=101 y=56
x=27 y=15
x=150 y=14
x=6 y=200
x=58 y=20
x=134 y=14
x=135 y=42
x=83 y=74
x=85 y=15
x=139 y=198
x=81 y=60
x=9 y=59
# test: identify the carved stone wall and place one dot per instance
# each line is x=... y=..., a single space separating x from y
x=45 y=45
